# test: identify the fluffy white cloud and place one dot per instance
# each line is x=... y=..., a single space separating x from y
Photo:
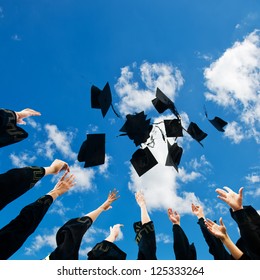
x=234 y=82
x=57 y=140
x=253 y=178
x=135 y=99
x=41 y=241
x=23 y=159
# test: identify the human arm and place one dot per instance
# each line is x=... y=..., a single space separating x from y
x=21 y=115
x=114 y=232
x=220 y=232
x=139 y=197
x=64 y=184
x=174 y=217
x=233 y=199
x=112 y=196
x=57 y=166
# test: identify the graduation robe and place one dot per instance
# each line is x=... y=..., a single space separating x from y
x=216 y=247
x=248 y=221
x=17 y=181
x=10 y=133
x=106 y=250
x=68 y=239
x=14 y=234
x=145 y=238
x=183 y=250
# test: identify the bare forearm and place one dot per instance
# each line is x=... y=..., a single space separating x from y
x=233 y=249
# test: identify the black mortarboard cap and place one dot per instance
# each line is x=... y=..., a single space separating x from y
x=174 y=155
x=101 y=99
x=173 y=128
x=143 y=160
x=10 y=133
x=137 y=128
x=162 y=103
x=217 y=122
x=92 y=150
x=196 y=133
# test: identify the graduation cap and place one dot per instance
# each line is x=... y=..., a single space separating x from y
x=174 y=155
x=162 y=103
x=173 y=128
x=137 y=128
x=217 y=122
x=143 y=160
x=10 y=133
x=196 y=133
x=92 y=150
x=102 y=99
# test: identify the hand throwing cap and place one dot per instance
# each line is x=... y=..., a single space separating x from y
x=162 y=103
x=173 y=128
x=101 y=99
x=174 y=155
x=137 y=128
x=143 y=160
x=196 y=133
x=92 y=150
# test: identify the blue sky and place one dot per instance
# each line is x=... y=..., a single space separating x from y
x=197 y=52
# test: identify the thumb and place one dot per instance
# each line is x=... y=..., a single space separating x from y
x=221 y=221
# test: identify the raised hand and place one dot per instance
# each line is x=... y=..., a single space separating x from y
x=24 y=114
x=234 y=200
x=174 y=216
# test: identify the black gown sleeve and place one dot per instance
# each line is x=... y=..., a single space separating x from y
x=216 y=247
x=145 y=239
x=14 y=234
x=17 y=181
x=69 y=237
x=10 y=133
x=183 y=250
x=248 y=221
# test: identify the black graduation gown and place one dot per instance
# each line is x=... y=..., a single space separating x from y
x=106 y=250
x=216 y=247
x=248 y=221
x=14 y=234
x=17 y=181
x=181 y=247
x=145 y=238
x=10 y=133
x=69 y=237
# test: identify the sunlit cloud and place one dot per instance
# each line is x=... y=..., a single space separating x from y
x=234 y=83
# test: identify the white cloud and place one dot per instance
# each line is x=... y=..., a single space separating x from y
x=41 y=241
x=234 y=82
x=56 y=141
x=164 y=238
x=234 y=132
x=84 y=178
x=22 y=160
x=133 y=99
x=34 y=124
x=103 y=169
x=253 y=178
x=58 y=208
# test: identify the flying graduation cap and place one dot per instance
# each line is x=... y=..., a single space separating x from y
x=137 y=128
x=92 y=150
x=143 y=160
x=174 y=155
x=173 y=128
x=217 y=122
x=196 y=133
x=162 y=103
x=102 y=99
